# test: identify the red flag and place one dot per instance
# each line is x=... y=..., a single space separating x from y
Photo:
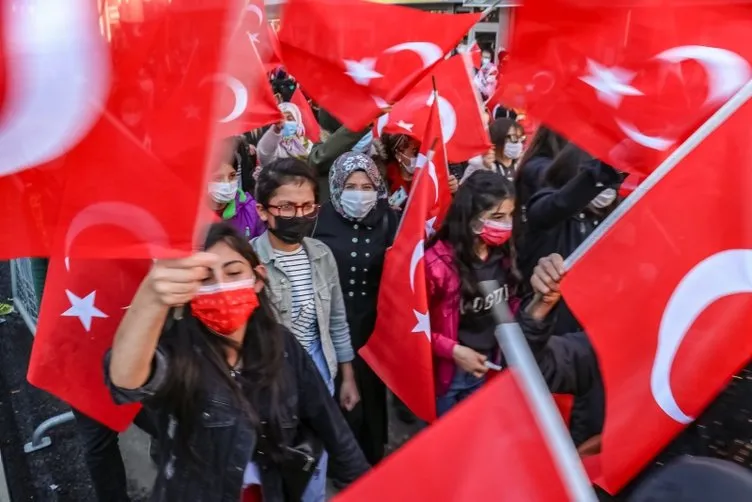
x=311 y=125
x=627 y=82
x=247 y=101
x=432 y=146
x=664 y=359
x=399 y=350
x=84 y=301
x=487 y=448
x=80 y=160
x=464 y=131
x=475 y=55
x=354 y=57
x=255 y=28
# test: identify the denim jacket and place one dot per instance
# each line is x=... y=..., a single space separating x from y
x=224 y=440
x=330 y=305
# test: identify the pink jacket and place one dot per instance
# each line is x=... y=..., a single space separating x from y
x=443 y=287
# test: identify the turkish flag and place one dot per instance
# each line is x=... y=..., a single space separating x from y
x=311 y=125
x=255 y=27
x=84 y=169
x=433 y=155
x=399 y=350
x=84 y=301
x=475 y=55
x=488 y=447
x=464 y=131
x=355 y=57
x=627 y=82
x=665 y=359
x=246 y=98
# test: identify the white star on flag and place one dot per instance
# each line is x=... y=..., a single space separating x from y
x=362 y=72
x=404 y=125
x=430 y=230
x=424 y=324
x=611 y=84
x=83 y=308
x=253 y=37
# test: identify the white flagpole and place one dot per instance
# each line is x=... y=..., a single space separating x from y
x=518 y=355
x=715 y=121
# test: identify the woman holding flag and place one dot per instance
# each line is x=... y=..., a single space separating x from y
x=473 y=245
x=286 y=139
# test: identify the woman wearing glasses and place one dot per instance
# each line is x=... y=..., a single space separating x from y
x=508 y=139
x=303 y=281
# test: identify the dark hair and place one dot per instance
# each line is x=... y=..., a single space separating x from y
x=565 y=166
x=394 y=143
x=500 y=129
x=284 y=172
x=545 y=143
x=262 y=378
x=481 y=191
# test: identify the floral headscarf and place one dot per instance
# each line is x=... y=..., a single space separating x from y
x=343 y=167
x=296 y=146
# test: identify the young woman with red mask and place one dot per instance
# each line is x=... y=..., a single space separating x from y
x=470 y=247
x=240 y=405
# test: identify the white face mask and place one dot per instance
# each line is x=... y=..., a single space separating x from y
x=513 y=150
x=485 y=60
x=604 y=199
x=223 y=192
x=358 y=203
x=410 y=166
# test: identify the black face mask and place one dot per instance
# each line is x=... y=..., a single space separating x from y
x=292 y=230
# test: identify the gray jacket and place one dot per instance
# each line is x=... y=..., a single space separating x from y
x=330 y=306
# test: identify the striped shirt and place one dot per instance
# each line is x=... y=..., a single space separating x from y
x=297 y=268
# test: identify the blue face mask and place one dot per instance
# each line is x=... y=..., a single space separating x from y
x=289 y=129
x=364 y=145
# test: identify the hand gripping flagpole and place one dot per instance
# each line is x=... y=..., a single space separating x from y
x=518 y=355
x=705 y=130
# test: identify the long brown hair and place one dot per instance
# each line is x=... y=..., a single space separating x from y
x=262 y=378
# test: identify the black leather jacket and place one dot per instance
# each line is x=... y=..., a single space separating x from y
x=224 y=439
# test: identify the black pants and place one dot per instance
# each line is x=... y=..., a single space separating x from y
x=368 y=420
x=103 y=457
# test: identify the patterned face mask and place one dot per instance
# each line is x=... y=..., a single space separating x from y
x=224 y=308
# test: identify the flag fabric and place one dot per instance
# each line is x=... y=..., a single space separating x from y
x=84 y=301
x=665 y=358
x=464 y=131
x=355 y=57
x=85 y=170
x=488 y=447
x=475 y=55
x=433 y=155
x=627 y=82
x=311 y=125
x=255 y=28
x=246 y=101
x=399 y=350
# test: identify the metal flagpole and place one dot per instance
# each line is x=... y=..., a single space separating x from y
x=518 y=355
x=715 y=121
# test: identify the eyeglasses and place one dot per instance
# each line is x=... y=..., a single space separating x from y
x=308 y=210
x=516 y=139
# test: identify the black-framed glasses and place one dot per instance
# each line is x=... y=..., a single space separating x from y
x=307 y=210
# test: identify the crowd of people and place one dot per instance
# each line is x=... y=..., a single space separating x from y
x=245 y=354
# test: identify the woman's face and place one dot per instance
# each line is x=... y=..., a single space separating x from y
x=407 y=152
x=231 y=267
x=359 y=180
x=501 y=212
x=225 y=173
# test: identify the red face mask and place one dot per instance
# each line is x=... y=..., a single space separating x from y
x=223 y=308
x=495 y=233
